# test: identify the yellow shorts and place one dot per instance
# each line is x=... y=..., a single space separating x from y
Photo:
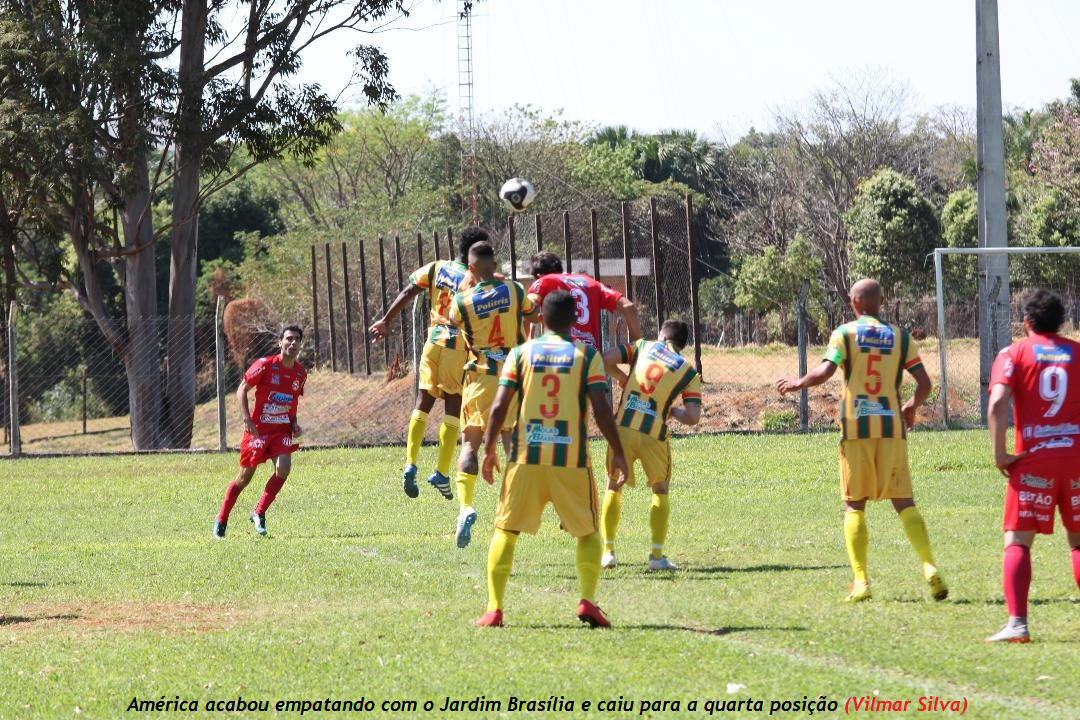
x=527 y=489
x=874 y=469
x=655 y=456
x=477 y=398
x=442 y=368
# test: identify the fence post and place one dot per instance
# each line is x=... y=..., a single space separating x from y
x=419 y=250
x=400 y=287
x=450 y=243
x=382 y=292
x=624 y=209
x=435 y=244
x=693 y=282
x=566 y=240
x=330 y=311
x=13 y=382
x=804 y=397
x=315 y=306
x=219 y=369
x=595 y=233
x=348 y=307
x=364 y=307
x=538 y=224
x=512 y=239
x=657 y=263
x=943 y=381
x=84 y=401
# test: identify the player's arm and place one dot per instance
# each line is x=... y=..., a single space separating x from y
x=629 y=312
x=536 y=322
x=687 y=414
x=605 y=420
x=997 y=420
x=817 y=376
x=922 y=391
x=245 y=408
x=612 y=359
x=496 y=418
x=381 y=327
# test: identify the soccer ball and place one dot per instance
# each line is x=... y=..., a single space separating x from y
x=517 y=194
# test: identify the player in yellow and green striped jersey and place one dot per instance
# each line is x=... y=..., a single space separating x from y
x=552 y=379
x=873 y=450
x=658 y=377
x=490 y=316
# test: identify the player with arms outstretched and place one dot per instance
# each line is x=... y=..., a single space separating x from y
x=552 y=377
x=442 y=362
x=873 y=451
x=658 y=376
x=590 y=298
x=270 y=428
x=1041 y=376
x=491 y=317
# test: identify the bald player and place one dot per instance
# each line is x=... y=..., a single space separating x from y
x=873 y=449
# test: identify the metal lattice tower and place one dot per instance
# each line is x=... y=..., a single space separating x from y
x=468 y=122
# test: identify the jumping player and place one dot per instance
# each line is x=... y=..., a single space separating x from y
x=590 y=298
x=271 y=429
x=490 y=316
x=1041 y=375
x=873 y=451
x=442 y=362
x=551 y=377
x=658 y=376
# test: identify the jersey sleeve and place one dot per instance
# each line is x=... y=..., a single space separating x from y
x=511 y=372
x=528 y=307
x=255 y=373
x=539 y=288
x=303 y=382
x=692 y=392
x=834 y=353
x=595 y=378
x=609 y=298
x=912 y=361
x=1003 y=370
x=626 y=351
x=457 y=311
x=422 y=277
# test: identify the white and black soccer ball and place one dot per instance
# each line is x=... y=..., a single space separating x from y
x=517 y=194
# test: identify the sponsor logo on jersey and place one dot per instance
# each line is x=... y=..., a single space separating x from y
x=1054 y=444
x=575 y=281
x=275 y=379
x=552 y=355
x=582 y=336
x=537 y=434
x=1074 y=484
x=266 y=419
x=875 y=337
x=287 y=441
x=664 y=354
x=1054 y=354
x=1036 y=482
x=449 y=276
x=491 y=300
x=870 y=408
x=280 y=397
x=257 y=370
x=1036 y=498
x=274 y=409
x=1045 y=431
x=256 y=442
x=495 y=355
x=639 y=404
x=295 y=385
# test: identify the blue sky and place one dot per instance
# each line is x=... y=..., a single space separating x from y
x=717 y=66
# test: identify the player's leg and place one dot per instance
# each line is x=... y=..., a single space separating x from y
x=1016 y=582
x=500 y=563
x=573 y=493
x=282 y=466
x=1074 y=551
x=610 y=513
x=414 y=439
x=1069 y=507
x=465 y=480
x=656 y=459
x=858 y=482
x=915 y=529
x=252 y=454
x=449 y=431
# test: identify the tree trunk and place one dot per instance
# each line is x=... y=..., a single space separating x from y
x=180 y=381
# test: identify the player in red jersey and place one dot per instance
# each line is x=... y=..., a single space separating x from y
x=590 y=297
x=271 y=429
x=1041 y=375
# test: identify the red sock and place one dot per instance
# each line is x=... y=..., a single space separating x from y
x=1076 y=565
x=1016 y=578
x=231 y=494
x=269 y=493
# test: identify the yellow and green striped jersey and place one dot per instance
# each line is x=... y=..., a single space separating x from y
x=552 y=376
x=658 y=374
x=490 y=317
x=441 y=279
x=873 y=355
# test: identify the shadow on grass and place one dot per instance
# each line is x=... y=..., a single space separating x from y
x=715 y=632
x=725 y=569
x=995 y=601
x=22 y=619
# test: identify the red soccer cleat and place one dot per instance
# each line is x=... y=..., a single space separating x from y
x=591 y=615
x=492 y=618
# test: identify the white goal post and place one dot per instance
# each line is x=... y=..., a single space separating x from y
x=939 y=283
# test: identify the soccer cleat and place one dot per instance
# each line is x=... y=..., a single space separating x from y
x=609 y=560
x=441 y=483
x=591 y=615
x=219 y=529
x=465 y=521
x=1011 y=632
x=259 y=521
x=858 y=592
x=662 y=563
x=408 y=481
x=938 y=589
x=492 y=618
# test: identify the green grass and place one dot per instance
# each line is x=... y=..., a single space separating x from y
x=112 y=587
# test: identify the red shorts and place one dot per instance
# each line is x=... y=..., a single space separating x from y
x=257 y=449
x=1034 y=490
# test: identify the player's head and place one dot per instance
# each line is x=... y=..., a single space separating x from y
x=482 y=260
x=675 y=332
x=866 y=297
x=1043 y=311
x=469 y=237
x=545 y=263
x=559 y=311
x=291 y=338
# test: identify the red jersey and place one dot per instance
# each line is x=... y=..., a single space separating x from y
x=277 y=390
x=590 y=297
x=1044 y=374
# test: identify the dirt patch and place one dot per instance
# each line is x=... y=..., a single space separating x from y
x=166 y=618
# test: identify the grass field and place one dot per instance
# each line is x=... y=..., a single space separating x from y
x=113 y=588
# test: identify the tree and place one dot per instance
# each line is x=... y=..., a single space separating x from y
x=892 y=228
x=959 y=229
x=772 y=281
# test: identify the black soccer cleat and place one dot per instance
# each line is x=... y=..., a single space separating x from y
x=259 y=521
x=219 y=529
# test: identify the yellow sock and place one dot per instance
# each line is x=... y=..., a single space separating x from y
x=417 y=428
x=465 y=484
x=448 y=435
x=658 y=522
x=589 y=550
x=857 y=538
x=500 y=562
x=610 y=513
x=915 y=529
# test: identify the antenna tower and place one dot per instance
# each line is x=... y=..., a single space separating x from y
x=468 y=122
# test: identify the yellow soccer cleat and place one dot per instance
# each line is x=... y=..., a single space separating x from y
x=938 y=589
x=858 y=592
